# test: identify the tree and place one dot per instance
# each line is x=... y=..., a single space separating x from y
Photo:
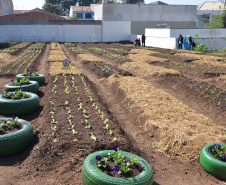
x=132 y=1
x=53 y=8
x=87 y=2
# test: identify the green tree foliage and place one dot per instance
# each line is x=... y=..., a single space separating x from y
x=132 y=1
x=53 y=8
x=217 y=21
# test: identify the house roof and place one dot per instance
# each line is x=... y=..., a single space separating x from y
x=82 y=9
x=20 y=11
x=208 y=5
x=159 y=2
x=35 y=14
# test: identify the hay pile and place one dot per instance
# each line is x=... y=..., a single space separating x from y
x=55 y=69
x=182 y=131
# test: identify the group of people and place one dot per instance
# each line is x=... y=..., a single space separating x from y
x=137 y=41
x=191 y=42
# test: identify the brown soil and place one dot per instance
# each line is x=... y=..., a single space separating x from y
x=62 y=130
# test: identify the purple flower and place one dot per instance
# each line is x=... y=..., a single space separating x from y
x=4 y=92
x=223 y=158
x=36 y=70
x=125 y=164
x=116 y=168
x=27 y=70
x=11 y=80
x=102 y=162
x=217 y=146
x=21 y=89
x=13 y=116
x=30 y=77
x=113 y=147
x=19 y=72
x=98 y=157
x=214 y=152
x=11 y=94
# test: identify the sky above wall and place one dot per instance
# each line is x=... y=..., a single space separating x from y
x=31 y=4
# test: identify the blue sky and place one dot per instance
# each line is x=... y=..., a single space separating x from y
x=31 y=4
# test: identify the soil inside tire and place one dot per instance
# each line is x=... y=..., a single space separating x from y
x=10 y=128
x=134 y=169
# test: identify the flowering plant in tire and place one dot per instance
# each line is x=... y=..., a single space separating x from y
x=8 y=125
x=219 y=152
x=120 y=166
x=28 y=73
x=18 y=94
x=66 y=63
x=20 y=82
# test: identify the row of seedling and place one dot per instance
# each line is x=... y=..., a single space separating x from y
x=52 y=111
x=176 y=56
x=213 y=93
x=119 y=58
x=98 y=110
x=15 y=48
x=202 y=69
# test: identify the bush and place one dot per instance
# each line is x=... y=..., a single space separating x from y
x=202 y=48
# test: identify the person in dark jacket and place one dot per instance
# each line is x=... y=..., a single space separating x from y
x=143 y=40
x=137 y=42
x=191 y=43
x=180 y=41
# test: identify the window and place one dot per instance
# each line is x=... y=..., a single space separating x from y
x=206 y=17
x=79 y=15
x=88 y=16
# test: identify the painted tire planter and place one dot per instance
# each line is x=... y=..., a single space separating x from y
x=32 y=87
x=92 y=175
x=40 y=78
x=19 y=107
x=18 y=141
x=212 y=165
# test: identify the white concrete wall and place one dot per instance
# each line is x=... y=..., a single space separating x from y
x=115 y=31
x=131 y=12
x=50 y=33
x=167 y=38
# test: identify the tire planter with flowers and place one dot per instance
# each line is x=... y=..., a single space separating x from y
x=19 y=106
x=32 y=87
x=212 y=165
x=92 y=175
x=16 y=142
x=40 y=78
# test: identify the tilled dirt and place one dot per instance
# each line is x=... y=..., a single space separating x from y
x=60 y=146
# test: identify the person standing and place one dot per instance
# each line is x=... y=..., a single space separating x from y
x=180 y=41
x=190 y=41
x=143 y=38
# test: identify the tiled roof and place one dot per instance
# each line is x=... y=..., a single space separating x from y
x=20 y=11
x=82 y=9
x=33 y=16
x=210 y=5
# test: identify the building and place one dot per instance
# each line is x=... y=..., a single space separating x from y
x=206 y=10
x=6 y=7
x=82 y=12
x=31 y=15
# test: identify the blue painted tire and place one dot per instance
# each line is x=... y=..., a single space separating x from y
x=92 y=175
x=18 y=141
x=32 y=87
x=212 y=165
x=19 y=107
x=40 y=78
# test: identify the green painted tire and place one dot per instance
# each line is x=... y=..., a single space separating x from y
x=40 y=79
x=212 y=165
x=18 y=141
x=92 y=175
x=32 y=87
x=19 y=107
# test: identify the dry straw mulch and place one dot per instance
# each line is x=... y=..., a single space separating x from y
x=182 y=131
x=6 y=57
x=56 y=68
x=90 y=57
